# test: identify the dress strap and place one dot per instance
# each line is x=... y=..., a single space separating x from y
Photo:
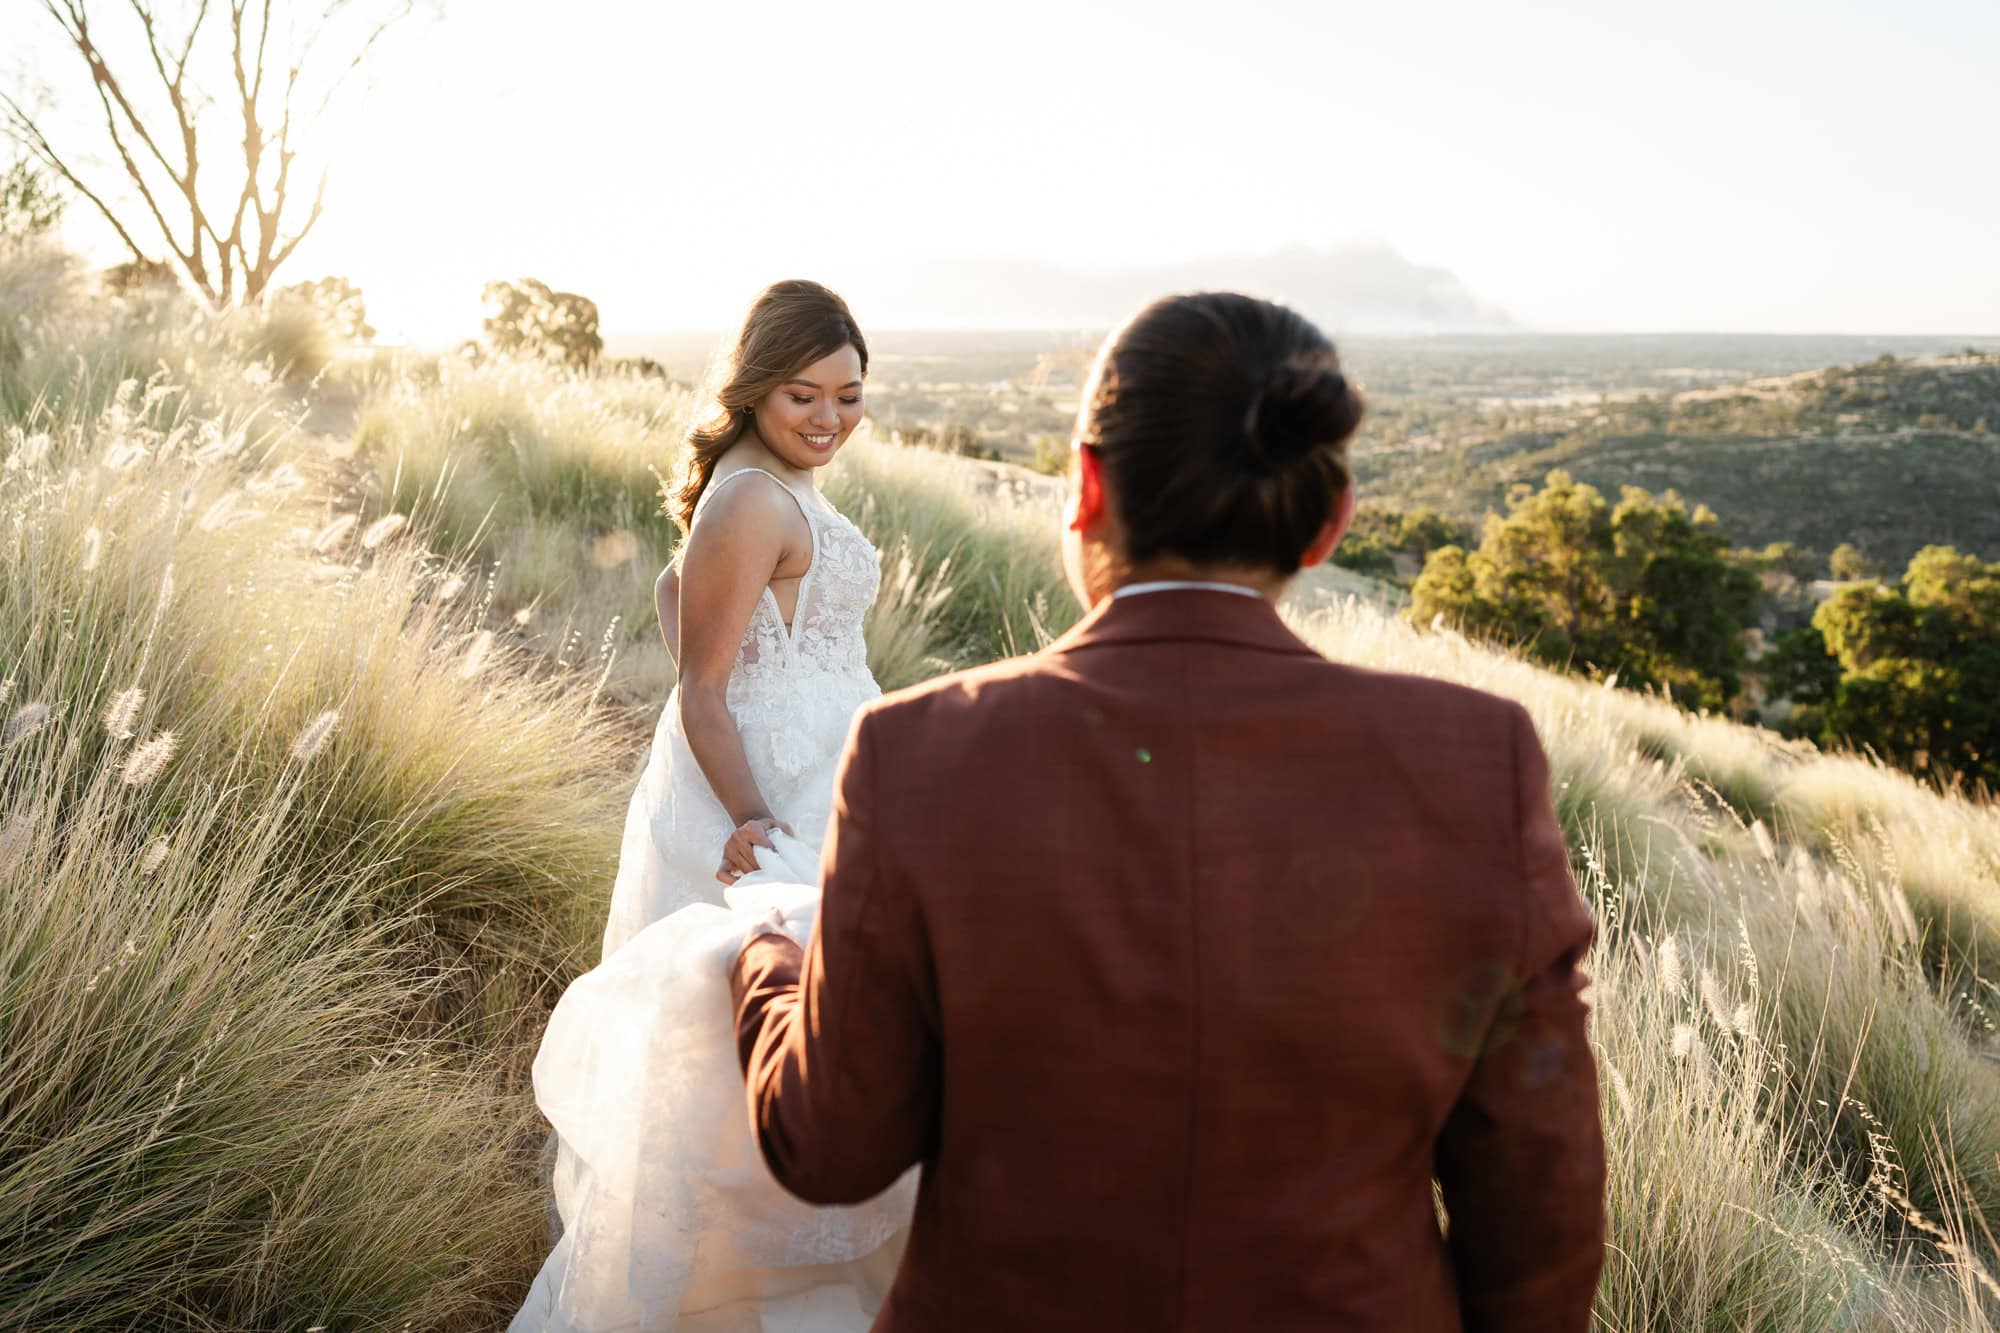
x=728 y=477
x=812 y=524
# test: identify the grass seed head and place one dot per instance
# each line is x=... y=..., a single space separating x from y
x=382 y=529
x=149 y=760
x=334 y=533
x=1671 y=975
x=13 y=841
x=1718 y=1004
x=218 y=514
x=475 y=657
x=121 y=715
x=27 y=720
x=309 y=741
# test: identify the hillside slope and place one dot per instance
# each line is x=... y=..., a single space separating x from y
x=1889 y=455
x=313 y=756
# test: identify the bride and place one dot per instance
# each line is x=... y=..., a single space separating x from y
x=670 y=1218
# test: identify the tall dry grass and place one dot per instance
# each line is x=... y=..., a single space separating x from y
x=1802 y=1105
x=989 y=535
x=1825 y=1205
x=549 y=481
x=292 y=857
x=310 y=780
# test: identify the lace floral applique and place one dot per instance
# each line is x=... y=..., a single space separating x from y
x=793 y=692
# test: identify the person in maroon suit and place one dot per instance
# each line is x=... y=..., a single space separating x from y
x=1183 y=960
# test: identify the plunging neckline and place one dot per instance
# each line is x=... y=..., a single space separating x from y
x=812 y=565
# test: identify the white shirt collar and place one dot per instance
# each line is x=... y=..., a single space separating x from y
x=1176 y=585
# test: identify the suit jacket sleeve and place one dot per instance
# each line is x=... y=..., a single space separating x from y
x=1521 y=1158
x=839 y=1045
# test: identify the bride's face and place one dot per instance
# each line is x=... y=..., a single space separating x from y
x=806 y=419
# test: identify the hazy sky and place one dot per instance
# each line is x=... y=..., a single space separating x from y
x=1822 y=165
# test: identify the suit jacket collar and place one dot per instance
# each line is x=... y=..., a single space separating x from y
x=1182 y=615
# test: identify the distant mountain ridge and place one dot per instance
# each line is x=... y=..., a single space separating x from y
x=1347 y=288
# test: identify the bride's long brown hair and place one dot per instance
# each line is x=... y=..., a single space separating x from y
x=789 y=326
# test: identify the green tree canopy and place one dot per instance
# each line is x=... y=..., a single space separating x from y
x=1379 y=534
x=1847 y=562
x=1918 y=665
x=338 y=304
x=1645 y=589
x=1788 y=559
x=529 y=317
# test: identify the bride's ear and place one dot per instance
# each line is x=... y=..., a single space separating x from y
x=1086 y=501
x=1329 y=536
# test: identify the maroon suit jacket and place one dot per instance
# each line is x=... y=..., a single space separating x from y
x=1184 y=961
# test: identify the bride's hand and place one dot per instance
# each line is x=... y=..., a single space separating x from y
x=739 y=855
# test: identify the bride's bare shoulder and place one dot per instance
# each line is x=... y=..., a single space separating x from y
x=747 y=507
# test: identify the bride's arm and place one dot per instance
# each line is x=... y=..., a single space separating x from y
x=746 y=533
x=843 y=1139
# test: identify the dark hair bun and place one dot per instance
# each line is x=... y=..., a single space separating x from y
x=1223 y=423
x=1300 y=407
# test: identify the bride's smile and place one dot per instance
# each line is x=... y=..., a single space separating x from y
x=806 y=419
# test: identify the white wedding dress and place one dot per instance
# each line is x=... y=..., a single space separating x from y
x=671 y=1220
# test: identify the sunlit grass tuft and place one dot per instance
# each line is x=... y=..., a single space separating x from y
x=313 y=763
x=282 y=897
x=987 y=533
x=547 y=481
x=1738 y=1200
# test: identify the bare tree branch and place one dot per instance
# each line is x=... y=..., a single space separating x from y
x=267 y=218
x=108 y=95
x=263 y=39
x=213 y=259
x=402 y=11
x=70 y=13
x=175 y=80
x=22 y=127
x=187 y=48
x=184 y=119
x=253 y=137
x=318 y=204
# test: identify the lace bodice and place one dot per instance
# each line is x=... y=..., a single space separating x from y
x=792 y=693
x=825 y=636
x=793 y=690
